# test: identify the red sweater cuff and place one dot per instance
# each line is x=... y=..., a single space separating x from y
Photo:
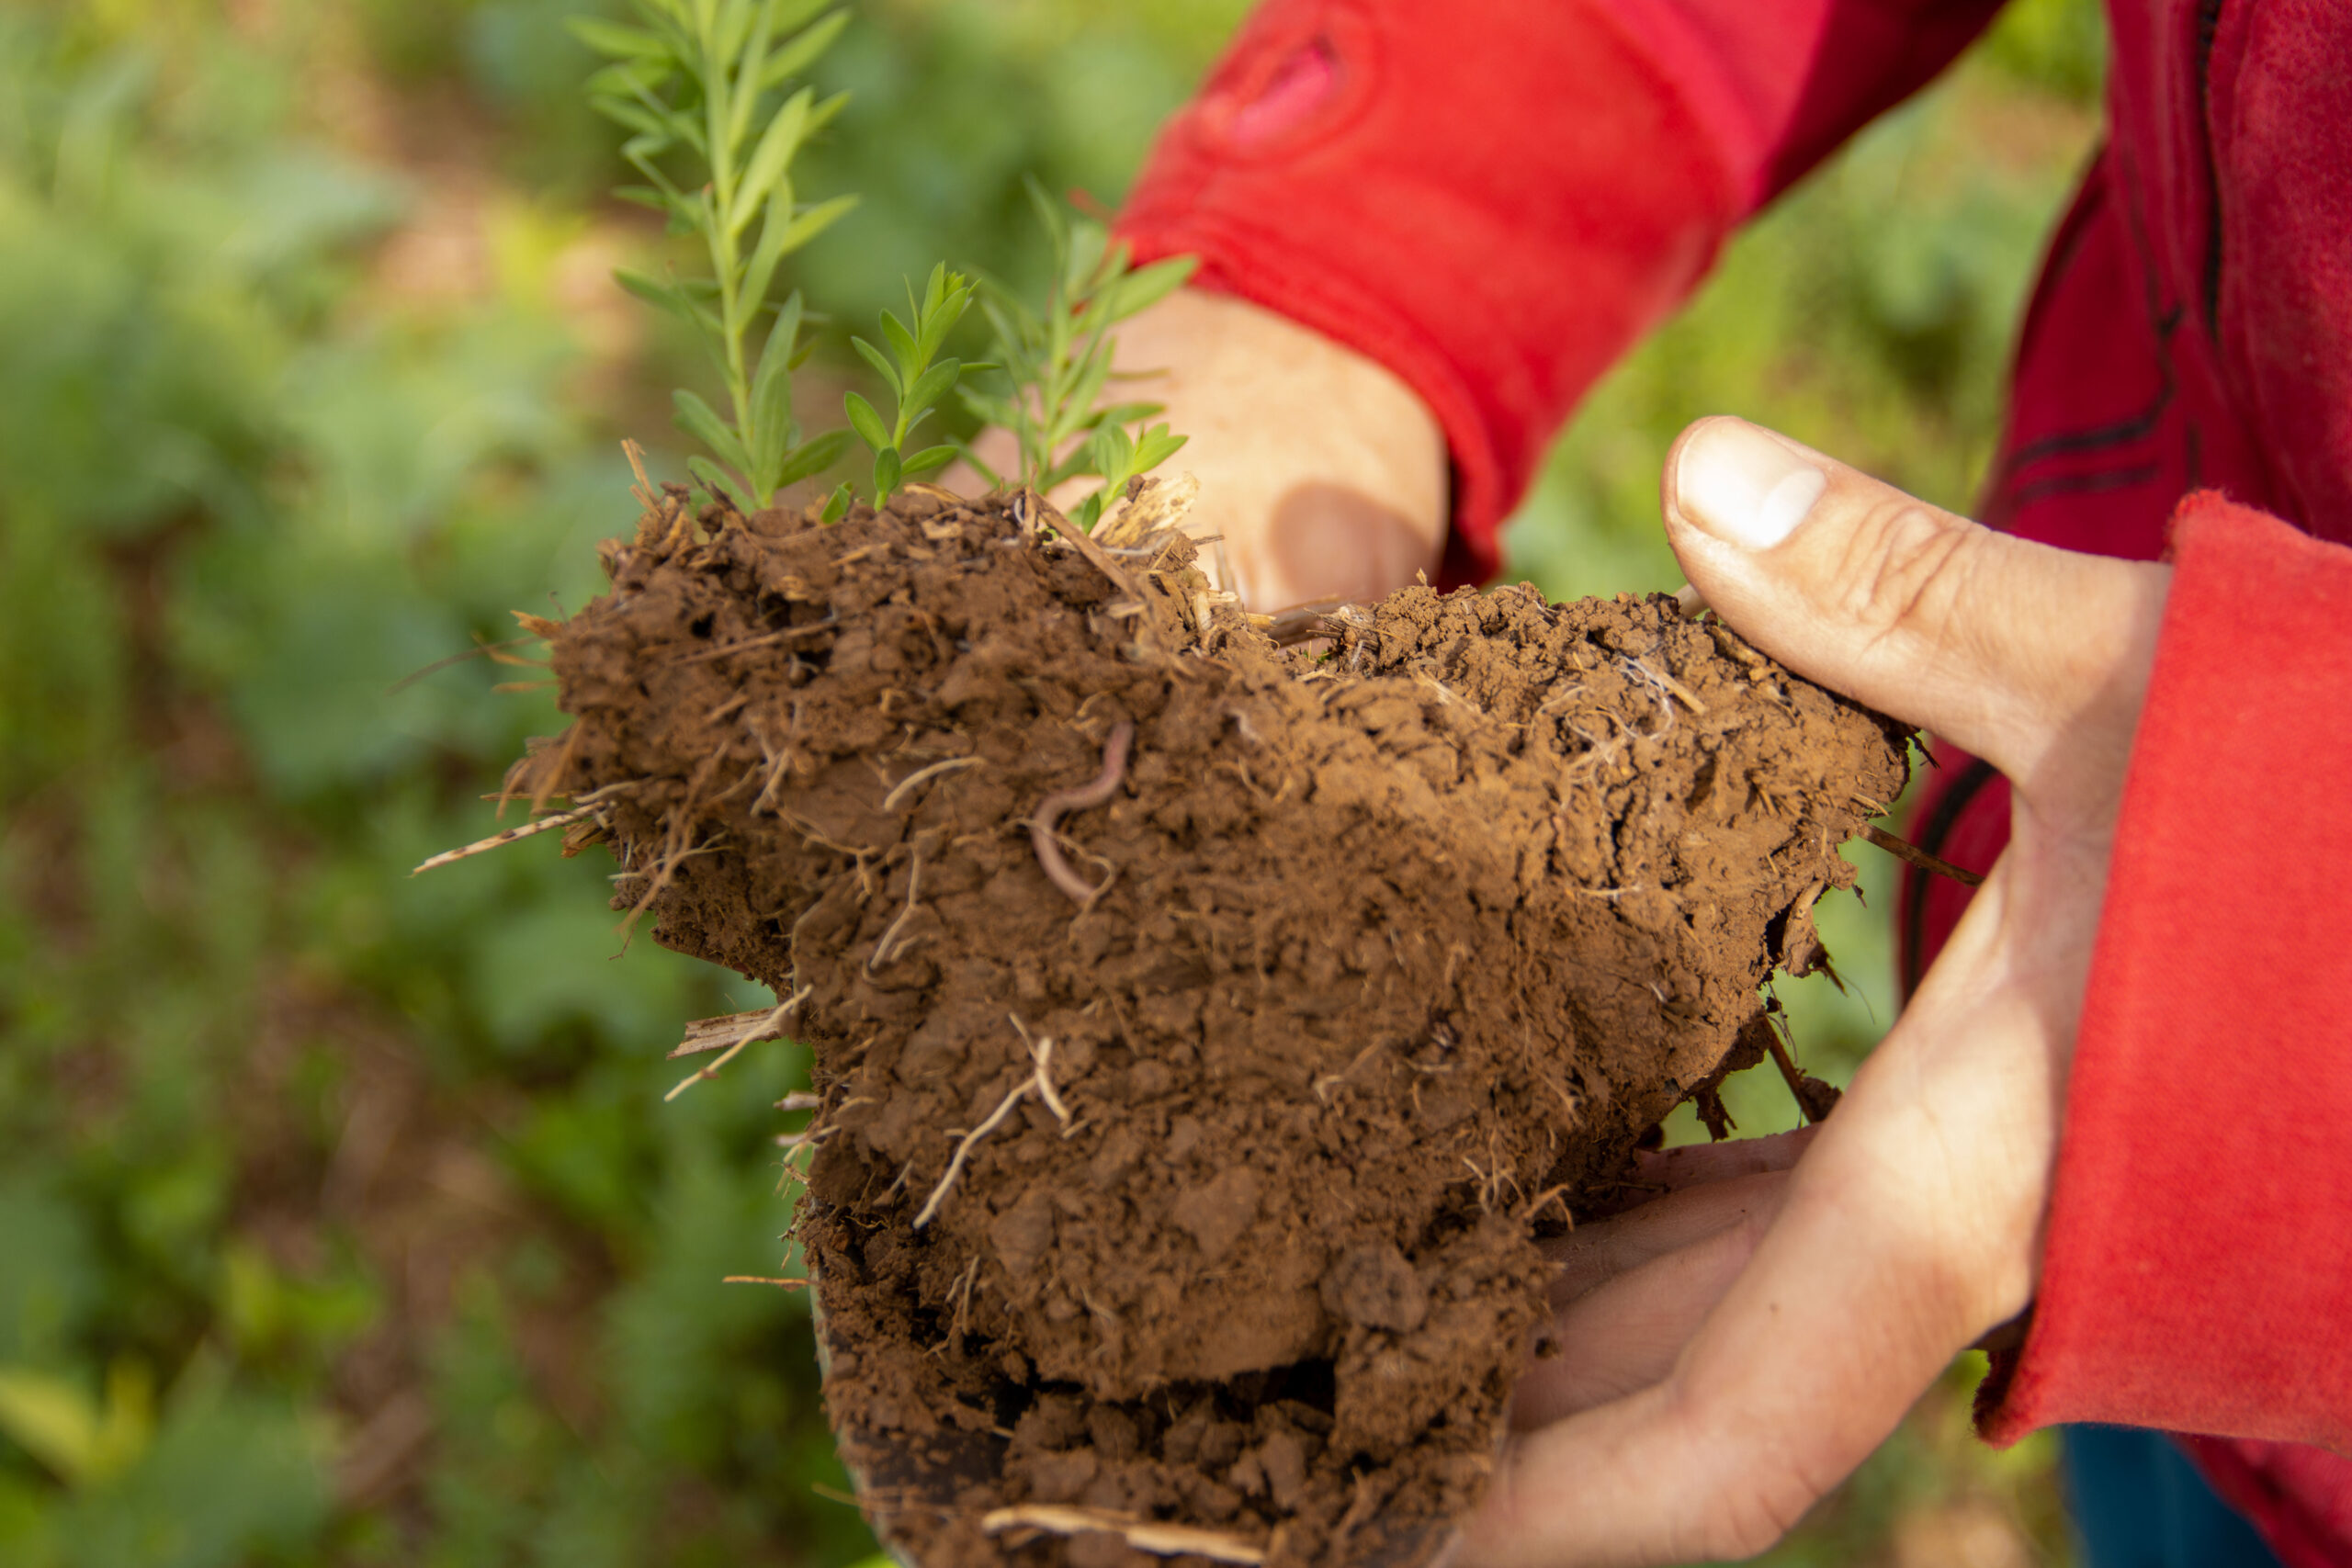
x=1491 y=208
x=2198 y=1270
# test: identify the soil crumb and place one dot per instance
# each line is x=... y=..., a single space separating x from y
x=1205 y=1029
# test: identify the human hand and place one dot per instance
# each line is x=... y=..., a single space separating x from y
x=1324 y=473
x=1734 y=1349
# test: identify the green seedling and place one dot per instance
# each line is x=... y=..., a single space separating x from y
x=710 y=84
x=918 y=379
x=1056 y=364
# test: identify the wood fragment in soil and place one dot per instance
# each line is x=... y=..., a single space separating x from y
x=499 y=840
x=1159 y=1539
x=766 y=1028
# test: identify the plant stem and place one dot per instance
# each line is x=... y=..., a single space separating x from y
x=725 y=262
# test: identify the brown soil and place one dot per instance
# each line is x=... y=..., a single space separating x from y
x=1395 y=950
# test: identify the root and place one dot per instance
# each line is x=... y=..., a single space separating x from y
x=964 y=1148
x=764 y=1279
x=890 y=801
x=1815 y=1099
x=1911 y=853
x=777 y=759
x=661 y=875
x=1041 y=1052
x=1660 y=678
x=766 y=1028
x=890 y=946
x=828 y=624
x=1051 y=810
x=499 y=840
x=1143 y=1535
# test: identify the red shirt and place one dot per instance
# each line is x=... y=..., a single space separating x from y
x=1494 y=198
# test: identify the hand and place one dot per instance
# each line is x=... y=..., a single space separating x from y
x=1732 y=1350
x=1325 y=474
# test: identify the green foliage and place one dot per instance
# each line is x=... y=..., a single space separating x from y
x=918 y=379
x=709 y=79
x=1056 y=361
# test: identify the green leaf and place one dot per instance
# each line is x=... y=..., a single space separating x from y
x=699 y=420
x=882 y=365
x=1112 y=447
x=734 y=25
x=928 y=461
x=929 y=387
x=620 y=43
x=867 y=423
x=769 y=159
x=824 y=113
x=653 y=292
x=635 y=117
x=1128 y=413
x=939 y=318
x=1155 y=447
x=774 y=431
x=813 y=222
x=820 y=452
x=838 y=506
x=761 y=274
x=635 y=80
x=902 y=344
x=798 y=54
x=886 y=474
x=1148 y=286
x=772 y=424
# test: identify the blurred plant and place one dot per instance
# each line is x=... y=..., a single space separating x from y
x=695 y=78
x=1057 y=363
x=917 y=380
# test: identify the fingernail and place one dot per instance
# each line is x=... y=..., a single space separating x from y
x=1742 y=486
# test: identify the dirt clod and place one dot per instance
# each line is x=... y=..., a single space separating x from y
x=1232 y=1014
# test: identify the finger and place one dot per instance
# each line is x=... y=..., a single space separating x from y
x=1693 y=1164
x=1593 y=1254
x=1324 y=473
x=1906 y=1231
x=1998 y=643
x=1626 y=1333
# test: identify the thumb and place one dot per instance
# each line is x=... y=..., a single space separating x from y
x=1998 y=644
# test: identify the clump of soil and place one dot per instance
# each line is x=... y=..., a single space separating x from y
x=1204 y=1029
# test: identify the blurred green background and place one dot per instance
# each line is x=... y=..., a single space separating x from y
x=341 y=1219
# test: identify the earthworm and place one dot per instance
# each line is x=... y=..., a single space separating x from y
x=1051 y=810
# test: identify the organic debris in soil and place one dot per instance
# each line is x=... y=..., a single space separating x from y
x=1203 y=1028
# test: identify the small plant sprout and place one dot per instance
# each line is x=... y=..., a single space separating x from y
x=1057 y=364
x=918 y=379
x=713 y=79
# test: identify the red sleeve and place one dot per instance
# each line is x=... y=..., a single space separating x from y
x=2197 y=1269
x=1494 y=198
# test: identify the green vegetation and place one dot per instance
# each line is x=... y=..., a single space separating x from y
x=1058 y=364
x=696 y=77
x=341 y=1220
x=918 y=379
